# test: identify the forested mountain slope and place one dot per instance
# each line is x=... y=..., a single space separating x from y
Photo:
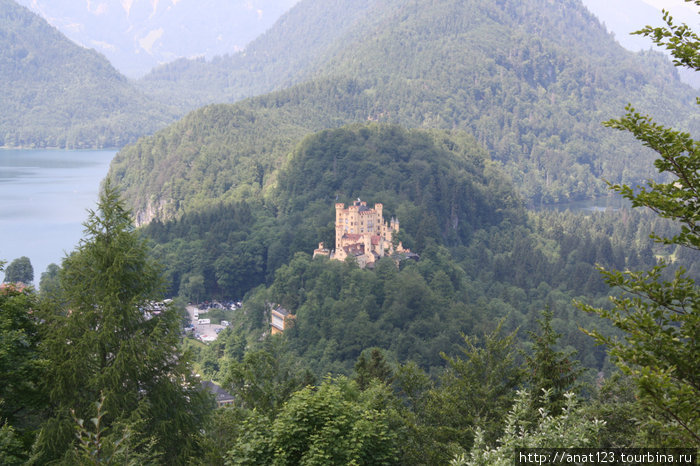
x=56 y=94
x=531 y=80
x=285 y=55
x=482 y=255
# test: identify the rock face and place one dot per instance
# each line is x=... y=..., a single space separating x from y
x=153 y=209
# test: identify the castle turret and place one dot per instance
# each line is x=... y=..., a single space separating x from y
x=379 y=208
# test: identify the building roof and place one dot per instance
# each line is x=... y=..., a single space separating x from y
x=281 y=311
x=221 y=395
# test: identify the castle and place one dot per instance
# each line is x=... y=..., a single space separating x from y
x=362 y=233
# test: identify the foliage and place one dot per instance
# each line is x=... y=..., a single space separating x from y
x=265 y=378
x=373 y=368
x=660 y=316
x=102 y=342
x=336 y=423
x=22 y=368
x=19 y=360
x=475 y=390
x=50 y=284
x=96 y=447
x=528 y=80
x=19 y=271
x=569 y=429
x=12 y=452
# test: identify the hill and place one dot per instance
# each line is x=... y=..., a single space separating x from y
x=531 y=80
x=439 y=184
x=57 y=94
x=483 y=257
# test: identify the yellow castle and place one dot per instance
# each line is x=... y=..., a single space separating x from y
x=362 y=233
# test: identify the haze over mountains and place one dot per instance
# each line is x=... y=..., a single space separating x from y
x=137 y=35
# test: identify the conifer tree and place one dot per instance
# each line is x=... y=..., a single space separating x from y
x=548 y=369
x=374 y=367
x=104 y=345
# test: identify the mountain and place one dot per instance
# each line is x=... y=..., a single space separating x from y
x=623 y=17
x=532 y=80
x=57 y=94
x=288 y=53
x=137 y=35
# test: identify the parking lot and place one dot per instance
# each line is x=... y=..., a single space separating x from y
x=204 y=332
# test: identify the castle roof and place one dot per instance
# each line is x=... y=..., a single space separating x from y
x=352 y=236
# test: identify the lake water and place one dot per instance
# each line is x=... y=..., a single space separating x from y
x=44 y=197
x=610 y=203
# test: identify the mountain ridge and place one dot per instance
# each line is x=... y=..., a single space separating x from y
x=137 y=35
x=500 y=71
x=57 y=94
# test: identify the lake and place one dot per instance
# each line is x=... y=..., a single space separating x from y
x=610 y=203
x=44 y=197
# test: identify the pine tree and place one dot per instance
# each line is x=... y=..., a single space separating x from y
x=105 y=346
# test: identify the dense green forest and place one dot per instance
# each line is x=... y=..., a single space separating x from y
x=515 y=328
x=529 y=80
x=483 y=256
x=55 y=93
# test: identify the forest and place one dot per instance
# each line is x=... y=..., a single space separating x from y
x=462 y=357
x=516 y=327
x=55 y=93
x=531 y=82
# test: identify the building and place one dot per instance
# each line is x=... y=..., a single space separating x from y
x=280 y=320
x=362 y=233
x=222 y=397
